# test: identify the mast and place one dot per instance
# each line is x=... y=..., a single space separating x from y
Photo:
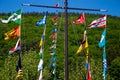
x=66 y=40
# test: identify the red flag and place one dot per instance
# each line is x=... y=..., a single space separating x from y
x=89 y=74
x=54 y=36
x=57 y=5
x=17 y=47
x=55 y=18
x=80 y=20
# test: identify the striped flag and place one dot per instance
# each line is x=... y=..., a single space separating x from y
x=100 y=23
x=17 y=47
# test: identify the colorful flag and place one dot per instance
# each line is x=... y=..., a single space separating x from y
x=84 y=43
x=80 y=20
x=14 y=33
x=42 y=21
x=103 y=39
x=15 y=17
x=17 y=47
x=40 y=65
x=101 y=23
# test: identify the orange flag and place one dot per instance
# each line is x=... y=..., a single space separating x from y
x=14 y=33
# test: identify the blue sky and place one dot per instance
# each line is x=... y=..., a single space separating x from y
x=111 y=5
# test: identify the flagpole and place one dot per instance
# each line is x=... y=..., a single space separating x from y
x=66 y=40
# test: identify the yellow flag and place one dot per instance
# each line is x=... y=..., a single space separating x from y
x=84 y=43
x=19 y=75
x=14 y=33
x=82 y=46
x=41 y=42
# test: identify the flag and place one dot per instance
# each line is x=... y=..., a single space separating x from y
x=54 y=30
x=14 y=33
x=19 y=74
x=89 y=74
x=80 y=20
x=40 y=65
x=101 y=23
x=54 y=36
x=87 y=58
x=40 y=77
x=103 y=37
x=42 y=21
x=15 y=17
x=84 y=43
x=41 y=53
x=53 y=46
x=55 y=18
x=17 y=47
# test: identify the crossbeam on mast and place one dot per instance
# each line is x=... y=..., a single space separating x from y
x=71 y=8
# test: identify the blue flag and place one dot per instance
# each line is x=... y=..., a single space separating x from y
x=103 y=39
x=42 y=21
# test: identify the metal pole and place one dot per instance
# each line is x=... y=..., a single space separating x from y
x=66 y=41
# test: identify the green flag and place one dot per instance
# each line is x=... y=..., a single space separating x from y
x=15 y=17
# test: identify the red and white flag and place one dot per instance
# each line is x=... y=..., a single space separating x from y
x=80 y=20
x=89 y=74
x=17 y=47
x=101 y=23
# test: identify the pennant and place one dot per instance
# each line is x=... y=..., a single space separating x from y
x=53 y=46
x=40 y=65
x=80 y=20
x=53 y=36
x=103 y=37
x=54 y=30
x=15 y=17
x=40 y=77
x=17 y=47
x=20 y=74
x=14 y=33
x=89 y=74
x=87 y=59
x=100 y=23
x=55 y=18
x=57 y=5
x=42 y=21
x=41 y=53
x=53 y=59
x=84 y=43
